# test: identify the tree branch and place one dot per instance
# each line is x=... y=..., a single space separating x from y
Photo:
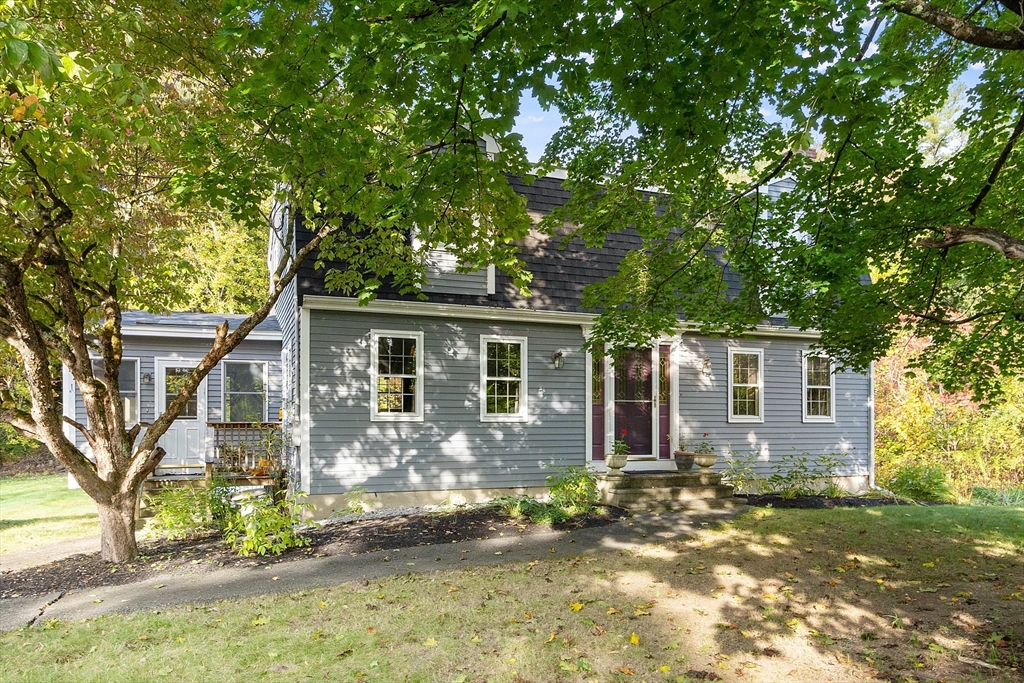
x=958 y=28
x=1003 y=156
x=953 y=235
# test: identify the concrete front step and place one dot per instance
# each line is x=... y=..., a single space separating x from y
x=630 y=497
x=667 y=479
x=692 y=505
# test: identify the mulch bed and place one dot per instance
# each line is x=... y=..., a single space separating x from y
x=816 y=502
x=207 y=553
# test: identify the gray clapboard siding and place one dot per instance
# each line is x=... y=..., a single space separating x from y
x=148 y=349
x=451 y=448
x=443 y=277
x=704 y=407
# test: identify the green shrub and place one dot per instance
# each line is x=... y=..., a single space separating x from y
x=573 y=489
x=741 y=475
x=920 y=482
x=264 y=526
x=14 y=447
x=793 y=476
x=180 y=511
x=1011 y=496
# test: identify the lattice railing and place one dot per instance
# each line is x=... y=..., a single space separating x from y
x=253 y=448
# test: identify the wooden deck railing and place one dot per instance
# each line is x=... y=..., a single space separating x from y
x=252 y=448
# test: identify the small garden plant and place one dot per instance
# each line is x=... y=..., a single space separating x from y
x=573 y=494
x=261 y=524
x=926 y=483
x=265 y=525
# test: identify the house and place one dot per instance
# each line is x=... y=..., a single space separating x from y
x=239 y=401
x=479 y=391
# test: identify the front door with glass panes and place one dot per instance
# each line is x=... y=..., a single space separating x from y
x=184 y=440
x=630 y=399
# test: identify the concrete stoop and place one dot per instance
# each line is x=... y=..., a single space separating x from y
x=667 y=490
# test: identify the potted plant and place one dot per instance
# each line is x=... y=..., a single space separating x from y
x=617 y=459
x=683 y=457
x=705 y=455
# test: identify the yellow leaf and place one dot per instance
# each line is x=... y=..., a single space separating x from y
x=552 y=637
x=476 y=639
x=928 y=564
x=575 y=606
x=612 y=610
x=634 y=639
x=626 y=670
x=664 y=668
x=430 y=642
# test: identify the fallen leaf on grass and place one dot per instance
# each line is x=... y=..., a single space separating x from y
x=634 y=639
x=430 y=642
x=626 y=670
x=575 y=606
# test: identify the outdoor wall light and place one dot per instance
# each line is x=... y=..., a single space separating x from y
x=146 y=378
x=705 y=366
x=558 y=359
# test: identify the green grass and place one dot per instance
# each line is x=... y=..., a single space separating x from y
x=37 y=511
x=892 y=593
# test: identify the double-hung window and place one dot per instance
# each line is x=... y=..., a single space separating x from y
x=746 y=385
x=503 y=379
x=396 y=375
x=819 y=394
x=245 y=391
x=127 y=386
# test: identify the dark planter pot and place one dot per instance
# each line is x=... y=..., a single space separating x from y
x=684 y=460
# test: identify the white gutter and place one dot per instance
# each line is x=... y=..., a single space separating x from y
x=434 y=310
x=190 y=332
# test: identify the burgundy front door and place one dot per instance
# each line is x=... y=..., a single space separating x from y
x=634 y=401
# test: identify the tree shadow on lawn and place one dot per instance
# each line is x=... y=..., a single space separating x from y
x=902 y=593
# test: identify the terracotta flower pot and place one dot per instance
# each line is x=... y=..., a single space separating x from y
x=705 y=460
x=684 y=460
x=616 y=461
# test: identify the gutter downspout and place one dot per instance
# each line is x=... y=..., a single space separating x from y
x=871 y=426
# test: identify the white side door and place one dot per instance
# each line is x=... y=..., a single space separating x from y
x=185 y=440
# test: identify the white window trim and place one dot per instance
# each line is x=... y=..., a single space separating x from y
x=759 y=418
x=138 y=387
x=224 y=388
x=524 y=411
x=375 y=416
x=831 y=387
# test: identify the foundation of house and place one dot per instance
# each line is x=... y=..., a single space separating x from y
x=667 y=490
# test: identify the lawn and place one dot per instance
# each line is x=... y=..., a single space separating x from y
x=37 y=511
x=898 y=593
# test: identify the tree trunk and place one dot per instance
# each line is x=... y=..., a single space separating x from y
x=117 y=530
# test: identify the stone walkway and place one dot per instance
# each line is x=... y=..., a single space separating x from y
x=231 y=583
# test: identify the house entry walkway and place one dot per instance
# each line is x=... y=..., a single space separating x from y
x=632 y=533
